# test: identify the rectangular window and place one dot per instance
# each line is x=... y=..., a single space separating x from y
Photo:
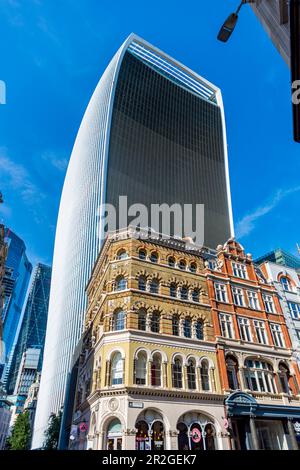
x=298 y=334
x=226 y=325
x=283 y=11
x=269 y=303
x=277 y=335
x=244 y=326
x=260 y=331
x=238 y=296
x=294 y=310
x=253 y=300
x=239 y=270
x=221 y=292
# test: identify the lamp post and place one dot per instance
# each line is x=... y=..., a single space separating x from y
x=294 y=14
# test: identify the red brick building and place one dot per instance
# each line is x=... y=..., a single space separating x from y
x=254 y=354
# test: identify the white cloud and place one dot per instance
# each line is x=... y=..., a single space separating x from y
x=57 y=161
x=247 y=224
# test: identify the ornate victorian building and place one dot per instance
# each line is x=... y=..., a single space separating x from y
x=148 y=375
x=254 y=353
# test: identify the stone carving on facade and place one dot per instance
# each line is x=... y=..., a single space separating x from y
x=113 y=404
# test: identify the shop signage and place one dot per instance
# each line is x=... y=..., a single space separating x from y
x=196 y=435
x=136 y=404
x=83 y=427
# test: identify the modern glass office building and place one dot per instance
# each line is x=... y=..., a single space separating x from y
x=33 y=322
x=154 y=131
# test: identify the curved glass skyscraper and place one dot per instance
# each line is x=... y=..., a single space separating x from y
x=155 y=132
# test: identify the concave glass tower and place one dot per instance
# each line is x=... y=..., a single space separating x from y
x=153 y=131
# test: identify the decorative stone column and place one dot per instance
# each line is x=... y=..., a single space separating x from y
x=171 y=440
x=164 y=374
x=149 y=373
x=129 y=439
x=181 y=326
x=254 y=435
x=212 y=379
x=107 y=373
x=184 y=377
x=242 y=378
x=292 y=434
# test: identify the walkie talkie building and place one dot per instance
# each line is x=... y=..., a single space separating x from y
x=154 y=131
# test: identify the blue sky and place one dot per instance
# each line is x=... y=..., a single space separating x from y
x=52 y=56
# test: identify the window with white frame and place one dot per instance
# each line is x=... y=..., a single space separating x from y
x=244 y=326
x=298 y=334
x=239 y=270
x=238 y=296
x=286 y=284
x=260 y=331
x=259 y=376
x=253 y=300
x=294 y=310
x=221 y=292
x=269 y=303
x=226 y=325
x=277 y=335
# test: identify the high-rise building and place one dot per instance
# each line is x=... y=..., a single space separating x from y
x=3 y=254
x=33 y=322
x=274 y=16
x=154 y=131
x=281 y=257
x=16 y=279
x=5 y=417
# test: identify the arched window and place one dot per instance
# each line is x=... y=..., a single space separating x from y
x=119 y=320
x=142 y=254
x=286 y=284
x=122 y=254
x=187 y=328
x=193 y=267
x=204 y=373
x=182 y=265
x=121 y=283
x=259 y=376
x=141 y=368
x=116 y=369
x=142 y=320
x=191 y=374
x=177 y=373
x=196 y=295
x=156 y=370
x=232 y=372
x=184 y=293
x=171 y=262
x=284 y=378
x=142 y=283
x=154 y=286
x=155 y=322
x=199 y=330
x=175 y=325
x=154 y=257
x=173 y=290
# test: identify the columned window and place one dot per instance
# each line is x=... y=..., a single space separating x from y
x=142 y=283
x=142 y=320
x=175 y=325
x=244 y=326
x=119 y=320
x=141 y=368
x=121 y=283
x=232 y=372
x=177 y=373
x=154 y=286
x=155 y=322
x=156 y=370
x=221 y=292
x=195 y=295
x=259 y=376
x=277 y=335
x=184 y=293
x=199 y=330
x=187 y=328
x=204 y=374
x=116 y=369
x=173 y=290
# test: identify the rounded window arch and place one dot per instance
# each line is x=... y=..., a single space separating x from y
x=154 y=257
x=156 y=370
x=154 y=286
x=199 y=330
x=187 y=327
x=116 y=371
x=177 y=372
x=122 y=254
x=173 y=290
x=182 y=264
x=175 y=325
x=142 y=283
x=119 y=320
x=259 y=375
x=232 y=372
x=204 y=375
x=191 y=374
x=121 y=283
x=286 y=283
x=142 y=320
x=193 y=267
x=155 y=322
x=140 y=368
x=142 y=254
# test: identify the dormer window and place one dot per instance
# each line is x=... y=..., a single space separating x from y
x=239 y=270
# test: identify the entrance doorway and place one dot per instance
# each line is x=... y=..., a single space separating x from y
x=114 y=435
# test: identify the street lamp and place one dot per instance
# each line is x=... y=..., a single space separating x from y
x=230 y=24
